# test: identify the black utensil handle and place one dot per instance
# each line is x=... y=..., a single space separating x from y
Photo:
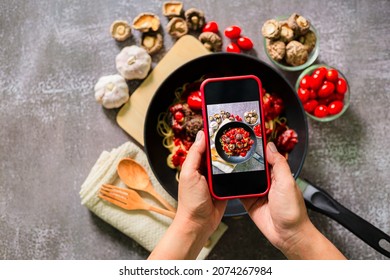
x=320 y=201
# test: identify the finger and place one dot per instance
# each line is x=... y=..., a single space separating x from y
x=280 y=167
x=194 y=156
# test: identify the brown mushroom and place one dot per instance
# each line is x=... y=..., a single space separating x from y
x=309 y=40
x=211 y=41
x=276 y=49
x=152 y=42
x=299 y=24
x=146 y=22
x=120 y=30
x=177 y=27
x=172 y=8
x=271 y=29
x=195 y=19
x=286 y=33
x=296 y=53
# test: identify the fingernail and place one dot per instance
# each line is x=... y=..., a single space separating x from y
x=272 y=147
x=199 y=136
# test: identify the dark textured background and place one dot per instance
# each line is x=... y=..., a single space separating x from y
x=52 y=131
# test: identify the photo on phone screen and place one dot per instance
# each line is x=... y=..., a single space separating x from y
x=233 y=123
x=235 y=147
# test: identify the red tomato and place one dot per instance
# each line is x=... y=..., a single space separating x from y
x=310 y=105
x=233 y=32
x=316 y=81
x=179 y=116
x=335 y=107
x=305 y=82
x=326 y=90
x=341 y=86
x=321 y=71
x=245 y=43
x=243 y=154
x=211 y=26
x=233 y=48
x=332 y=75
x=321 y=111
x=312 y=94
x=303 y=94
x=194 y=100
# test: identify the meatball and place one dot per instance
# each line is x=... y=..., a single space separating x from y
x=193 y=125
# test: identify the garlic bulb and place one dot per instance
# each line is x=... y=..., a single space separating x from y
x=111 y=91
x=133 y=63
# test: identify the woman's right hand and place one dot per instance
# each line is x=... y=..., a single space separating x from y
x=282 y=216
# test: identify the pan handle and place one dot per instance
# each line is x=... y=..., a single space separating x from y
x=319 y=200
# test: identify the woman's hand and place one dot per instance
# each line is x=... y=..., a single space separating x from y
x=198 y=215
x=282 y=216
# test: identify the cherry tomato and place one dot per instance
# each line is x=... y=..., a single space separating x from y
x=321 y=72
x=305 y=82
x=245 y=43
x=211 y=26
x=316 y=81
x=325 y=90
x=243 y=154
x=194 y=100
x=341 y=86
x=321 y=111
x=233 y=32
x=233 y=48
x=335 y=107
x=312 y=94
x=310 y=105
x=332 y=75
x=179 y=116
x=303 y=95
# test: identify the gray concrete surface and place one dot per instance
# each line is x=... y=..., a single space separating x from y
x=52 y=130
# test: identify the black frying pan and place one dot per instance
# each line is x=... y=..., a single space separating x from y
x=235 y=159
x=228 y=64
x=221 y=64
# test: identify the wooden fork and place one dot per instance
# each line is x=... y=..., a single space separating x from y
x=129 y=199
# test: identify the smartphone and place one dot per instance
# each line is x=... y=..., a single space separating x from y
x=233 y=123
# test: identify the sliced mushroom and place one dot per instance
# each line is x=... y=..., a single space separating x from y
x=177 y=27
x=120 y=30
x=152 y=42
x=271 y=29
x=146 y=22
x=299 y=24
x=195 y=19
x=172 y=8
x=296 y=53
x=276 y=49
x=211 y=41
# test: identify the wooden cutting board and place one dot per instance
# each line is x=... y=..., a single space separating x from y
x=131 y=117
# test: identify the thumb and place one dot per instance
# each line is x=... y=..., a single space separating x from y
x=194 y=156
x=280 y=167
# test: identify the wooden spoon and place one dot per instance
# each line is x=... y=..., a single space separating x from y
x=136 y=177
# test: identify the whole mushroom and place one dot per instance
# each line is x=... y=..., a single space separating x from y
x=195 y=19
x=152 y=42
x=177 y=27
x=296 y=53
x=211 y=41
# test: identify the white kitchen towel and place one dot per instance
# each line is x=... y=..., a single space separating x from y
x=145 y=227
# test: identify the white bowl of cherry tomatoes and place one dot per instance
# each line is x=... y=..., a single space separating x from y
x=323 y=91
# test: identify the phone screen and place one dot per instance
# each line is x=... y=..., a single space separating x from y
x=236 y=148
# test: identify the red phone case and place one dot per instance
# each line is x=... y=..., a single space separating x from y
x=206 y=132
